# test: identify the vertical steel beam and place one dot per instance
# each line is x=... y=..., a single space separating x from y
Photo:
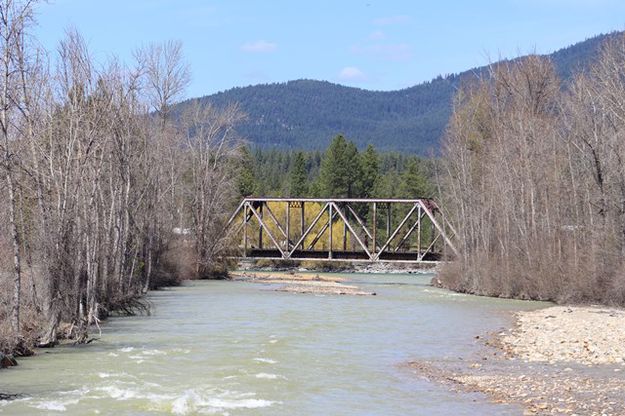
x=245 y=231
x=345 y=233
x=303 y=224
x=419 y=233
x=330 y=231
x=388 y=220
x=375 y=226
x=260 y=225
x=288 y=226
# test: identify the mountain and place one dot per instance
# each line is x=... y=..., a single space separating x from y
x=307 y=114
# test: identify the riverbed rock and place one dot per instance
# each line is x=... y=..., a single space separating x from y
x=586 y=335
x=557 y=361
x=303 y=283
x=325 y=289
x=7 y=361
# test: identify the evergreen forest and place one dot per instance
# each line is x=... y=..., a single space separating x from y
x=340 y=171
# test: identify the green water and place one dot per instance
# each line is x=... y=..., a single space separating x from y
x=235 y=348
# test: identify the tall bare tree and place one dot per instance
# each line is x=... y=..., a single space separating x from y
x=15 y=16
x=211 y=148
x=99 y=174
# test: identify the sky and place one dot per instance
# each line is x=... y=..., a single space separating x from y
x=370 y=44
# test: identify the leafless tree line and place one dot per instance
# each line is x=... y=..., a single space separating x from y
x=535 y=181
x=97 y=173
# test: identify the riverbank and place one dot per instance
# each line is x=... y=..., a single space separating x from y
x=559 y=360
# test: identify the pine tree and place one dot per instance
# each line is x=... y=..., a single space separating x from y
x=414 y=182
x=246 y=183
x=370 y=168
x=353 y=171
x=386 y=186
x=339 y=175
x=298 y=178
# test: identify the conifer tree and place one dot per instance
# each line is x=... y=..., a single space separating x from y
x=370 y=168
x=339 y=175
x=298 y=178
x=247 y=184
x=414 y=183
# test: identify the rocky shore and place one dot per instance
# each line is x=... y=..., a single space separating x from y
x=554 y=361
x=586 y=335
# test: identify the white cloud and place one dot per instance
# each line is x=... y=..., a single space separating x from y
x=389 y=52
x=259 y=46
x=391 y=20
x=377 y=35
x=351 y=73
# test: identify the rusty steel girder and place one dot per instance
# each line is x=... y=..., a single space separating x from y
x=409 y=230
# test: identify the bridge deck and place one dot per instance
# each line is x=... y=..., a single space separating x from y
x=355 y=256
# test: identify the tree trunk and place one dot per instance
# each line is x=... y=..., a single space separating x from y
x=17 y=267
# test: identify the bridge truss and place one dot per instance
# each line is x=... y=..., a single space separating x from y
x=369 y=230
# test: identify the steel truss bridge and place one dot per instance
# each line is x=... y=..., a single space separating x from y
x=365 y=230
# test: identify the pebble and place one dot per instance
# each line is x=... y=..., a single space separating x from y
x=599 y=331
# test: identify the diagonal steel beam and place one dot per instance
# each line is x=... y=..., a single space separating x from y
x=451 y=227
x=275 y=221
x=409 y=233
x=308 y=230
x=263 y=226
x=427 y=250
x=236 y=212
x=445 y=221
x=440 y=229
x=361 y=223
x=320 y=232
x=364 y=247
x=392 y=236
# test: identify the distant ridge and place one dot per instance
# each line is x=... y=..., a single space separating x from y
x=306 y=114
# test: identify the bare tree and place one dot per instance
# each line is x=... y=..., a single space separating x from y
x=15 y=17
x=166 y=76
x=211 y=150
x=536 y=181
x=99 y=172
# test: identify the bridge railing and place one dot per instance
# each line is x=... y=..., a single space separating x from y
x=343 y=229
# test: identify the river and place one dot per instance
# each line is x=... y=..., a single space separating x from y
x=238 y=348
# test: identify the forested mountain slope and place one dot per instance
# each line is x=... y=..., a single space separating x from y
x=307 y=114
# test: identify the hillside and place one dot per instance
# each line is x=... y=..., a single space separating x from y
x=306 y=114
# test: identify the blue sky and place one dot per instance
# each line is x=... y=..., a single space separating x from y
x=371 y=44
